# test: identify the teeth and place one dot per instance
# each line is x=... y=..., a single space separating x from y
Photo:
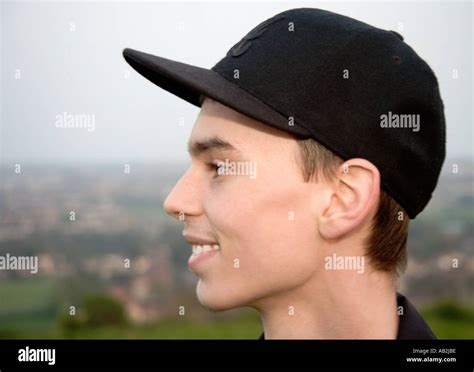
x=198 y=249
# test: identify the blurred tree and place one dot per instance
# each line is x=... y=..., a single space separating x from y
x=102 y=310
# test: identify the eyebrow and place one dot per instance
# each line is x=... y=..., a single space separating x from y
x=197 y=148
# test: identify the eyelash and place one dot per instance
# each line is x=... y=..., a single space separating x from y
x=213 y=167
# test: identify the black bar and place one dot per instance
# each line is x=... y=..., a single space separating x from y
x=135 y=355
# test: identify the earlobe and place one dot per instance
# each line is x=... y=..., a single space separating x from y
x=353 y=199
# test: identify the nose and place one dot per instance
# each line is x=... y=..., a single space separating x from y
x=184 y=199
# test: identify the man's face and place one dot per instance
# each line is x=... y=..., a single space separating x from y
x=263 y=221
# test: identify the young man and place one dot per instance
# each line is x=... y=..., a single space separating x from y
x=318 y=139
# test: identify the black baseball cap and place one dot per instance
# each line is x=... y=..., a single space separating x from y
x=360 y=91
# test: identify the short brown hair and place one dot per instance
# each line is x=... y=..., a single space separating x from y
x=385 y=246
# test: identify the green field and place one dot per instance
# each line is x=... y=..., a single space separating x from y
x=243 y=327
x=30 y=309
x=450 y=320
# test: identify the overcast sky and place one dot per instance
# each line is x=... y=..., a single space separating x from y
x=67 y=57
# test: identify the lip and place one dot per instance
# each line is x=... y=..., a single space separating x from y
x=196 y=261
x=194 y=239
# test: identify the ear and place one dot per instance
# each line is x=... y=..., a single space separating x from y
x=353 y=199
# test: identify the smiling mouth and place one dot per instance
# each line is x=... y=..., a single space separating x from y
x=199 y=249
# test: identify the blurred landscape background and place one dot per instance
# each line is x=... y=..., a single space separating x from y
x=119 y=217
x=121 y=265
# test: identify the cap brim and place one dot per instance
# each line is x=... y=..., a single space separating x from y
x=192 y=83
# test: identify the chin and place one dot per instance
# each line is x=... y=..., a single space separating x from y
x=216 y=300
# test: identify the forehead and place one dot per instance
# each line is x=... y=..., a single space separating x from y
x=242 y=131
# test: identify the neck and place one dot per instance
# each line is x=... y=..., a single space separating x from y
x=335 y=305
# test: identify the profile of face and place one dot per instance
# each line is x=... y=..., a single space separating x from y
x=263 y=220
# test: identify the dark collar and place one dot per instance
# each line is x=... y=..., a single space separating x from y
x=411 y=325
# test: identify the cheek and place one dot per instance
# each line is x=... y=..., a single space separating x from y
x=269 y=228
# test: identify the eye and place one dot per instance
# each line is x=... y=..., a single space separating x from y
x=214 y=167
